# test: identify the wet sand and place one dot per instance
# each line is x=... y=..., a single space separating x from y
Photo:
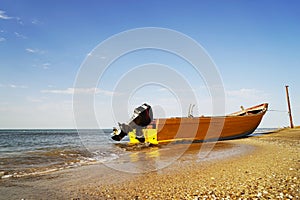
x=260 y=167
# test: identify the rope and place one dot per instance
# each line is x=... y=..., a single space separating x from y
x=279 y=111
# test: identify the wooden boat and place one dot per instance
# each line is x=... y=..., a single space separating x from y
x=235 y=125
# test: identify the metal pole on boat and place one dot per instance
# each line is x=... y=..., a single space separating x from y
x=289 y=105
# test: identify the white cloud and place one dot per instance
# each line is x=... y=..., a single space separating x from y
x=35 y=51
x=3 y=15
x=13 y=86
x=30 y=50
x=20 y=35
x=66 y=91
x=101 y=57
x=35 y=100
x=36 y=22
x=46 y=65
x=17 y=86
x=162 y=89
x=81 y=91
x=2 y=39
x=6 y=17
x=244 y=93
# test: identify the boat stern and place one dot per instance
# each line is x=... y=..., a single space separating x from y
x=150 y=136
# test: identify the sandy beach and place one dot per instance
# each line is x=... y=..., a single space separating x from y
x=266 y=166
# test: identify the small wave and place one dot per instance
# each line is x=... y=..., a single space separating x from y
x=105 y=157
x=108 y=154
x=44 y=161
x=46 y=170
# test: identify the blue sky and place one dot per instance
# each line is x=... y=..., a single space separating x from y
x=254 y=44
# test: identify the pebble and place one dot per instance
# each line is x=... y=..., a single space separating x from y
x=7 y=176
x=2 y=174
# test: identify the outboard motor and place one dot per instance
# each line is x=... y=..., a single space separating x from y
x=141 y=118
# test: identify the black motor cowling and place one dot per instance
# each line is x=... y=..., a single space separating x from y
x=142 y=115
x=141 y=118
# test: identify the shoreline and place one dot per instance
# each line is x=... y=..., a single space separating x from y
x=269 y=169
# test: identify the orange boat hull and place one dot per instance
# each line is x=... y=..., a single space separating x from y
x=209 y=128
x=232 y=126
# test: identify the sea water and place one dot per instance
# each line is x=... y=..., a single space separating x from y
x=30 y=152
x=27 y=152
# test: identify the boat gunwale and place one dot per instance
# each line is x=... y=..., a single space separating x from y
x=264 y=109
